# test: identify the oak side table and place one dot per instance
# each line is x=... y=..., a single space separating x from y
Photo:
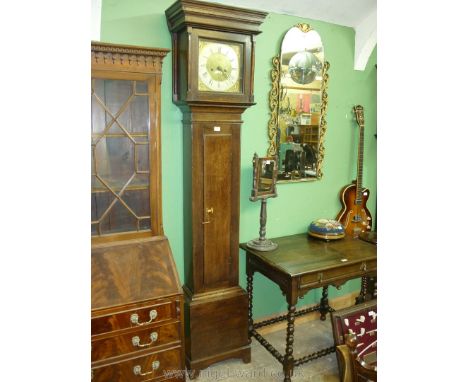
x=298 y=265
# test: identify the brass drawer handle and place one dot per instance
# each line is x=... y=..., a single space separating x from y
x=134 y=318
x=136 y=340
x=320 y=277
x=364 y=266
x=154 y=366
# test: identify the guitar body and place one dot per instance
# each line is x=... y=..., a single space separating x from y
x=354 y=215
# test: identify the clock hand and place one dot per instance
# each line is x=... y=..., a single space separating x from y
x=225 y=73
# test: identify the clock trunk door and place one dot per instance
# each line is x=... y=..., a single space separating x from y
x=218 y=190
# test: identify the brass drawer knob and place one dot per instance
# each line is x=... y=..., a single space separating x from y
x=136 y=340
x=154 y=367
x=134 y=318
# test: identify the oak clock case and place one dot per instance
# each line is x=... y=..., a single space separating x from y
x=215 y=67
x=213 y=56
x=136 y=301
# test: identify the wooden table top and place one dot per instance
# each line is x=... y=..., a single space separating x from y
x=300 y=254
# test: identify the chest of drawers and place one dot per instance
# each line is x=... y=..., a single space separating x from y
x=136 y=313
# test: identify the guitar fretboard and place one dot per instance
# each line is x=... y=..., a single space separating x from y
x=359 y=112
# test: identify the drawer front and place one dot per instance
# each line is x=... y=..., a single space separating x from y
x=148 y=338
x=342 y=273
x=146 y=368
x=135 y=318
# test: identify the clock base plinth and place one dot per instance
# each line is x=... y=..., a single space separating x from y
x=216 y=327
x=195 y=367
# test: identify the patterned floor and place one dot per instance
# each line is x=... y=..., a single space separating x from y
x=308 y=337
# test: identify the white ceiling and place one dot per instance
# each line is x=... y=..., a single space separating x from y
x=358 y=14
x=343 y=12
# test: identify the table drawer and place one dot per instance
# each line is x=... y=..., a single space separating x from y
x=134 y=318
x=150 y=367
x=344 y=272
x=147 y=338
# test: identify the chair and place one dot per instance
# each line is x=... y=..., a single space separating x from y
x=354 y=368
x=355 y=333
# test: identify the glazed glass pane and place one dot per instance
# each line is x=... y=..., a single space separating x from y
x=115 y=93
x=98 y=116
x=142 y=157
x=135 y=117
x=119 y=219
x=141 y=87
x=115 y=162
x=145 y=223
x=135 y=200
x=120 y=158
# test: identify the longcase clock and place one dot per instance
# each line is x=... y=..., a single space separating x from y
x=213 y=66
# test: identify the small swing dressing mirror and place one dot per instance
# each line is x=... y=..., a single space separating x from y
x=265 y=171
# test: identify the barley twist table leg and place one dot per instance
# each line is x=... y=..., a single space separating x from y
x=250 y=294
x=324 y=307
x=288 y=363
x=362 y=295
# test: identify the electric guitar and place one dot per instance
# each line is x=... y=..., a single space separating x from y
x=354 y=215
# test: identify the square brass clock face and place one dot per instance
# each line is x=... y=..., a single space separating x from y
x=220 y=66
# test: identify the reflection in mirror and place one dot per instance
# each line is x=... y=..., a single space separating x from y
x=264 y=178
x=266 y=175
x=298 y=102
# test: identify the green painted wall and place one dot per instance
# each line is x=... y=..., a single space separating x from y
x=143 y=22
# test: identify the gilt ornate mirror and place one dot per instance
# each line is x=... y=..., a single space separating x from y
x=298 y=104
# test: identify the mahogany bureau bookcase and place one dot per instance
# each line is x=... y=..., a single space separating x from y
x=136 y=298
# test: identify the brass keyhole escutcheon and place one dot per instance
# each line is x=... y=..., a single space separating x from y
x=208 y=211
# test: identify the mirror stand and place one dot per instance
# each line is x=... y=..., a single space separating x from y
x=265 y=172
x=262 y=244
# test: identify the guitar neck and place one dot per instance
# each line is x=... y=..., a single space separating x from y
x=359 y=111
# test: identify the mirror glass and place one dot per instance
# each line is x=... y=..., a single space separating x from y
x=264 y=177
x=296 y=128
